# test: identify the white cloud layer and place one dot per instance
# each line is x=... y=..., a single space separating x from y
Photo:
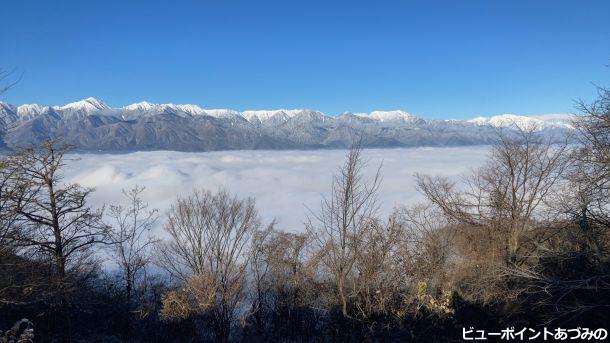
x=284 y=183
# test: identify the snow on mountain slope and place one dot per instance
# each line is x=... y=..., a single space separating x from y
x=148 y=107
x=193 y=110
x=90 y=124
x=190 y=109
x=556 y=118
x=29 y=110
x=92 y=105
x=389 y=116
x=522 y=122
x=263 y=115
x=86 y=105
x=7 y=107
x=221 y=113
x=140 y=106
x=8 y=113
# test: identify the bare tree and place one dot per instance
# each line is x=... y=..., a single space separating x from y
x=8 y=233
x=280 y=277
x=594 y=127
x=573 y=282
x=591 y=168
x=21 y=279
x=427 y=259
x=132 y=238
x=338 y=227
x=4 y=78
x=427 y=242
x=378 y=276
x=259 y=271
x=5 y=85
x=8 y=214
x=54 y=217
x=56 y=225
x=284 y=254
x=503 y=196
x=209 y=250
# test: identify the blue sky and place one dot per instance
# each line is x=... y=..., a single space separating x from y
x=439 y=59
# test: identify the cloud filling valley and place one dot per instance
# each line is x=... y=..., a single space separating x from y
x=284 y=183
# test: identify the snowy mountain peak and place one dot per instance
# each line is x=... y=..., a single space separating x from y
x=87 y=105
x=140 y=106
x=29 y=110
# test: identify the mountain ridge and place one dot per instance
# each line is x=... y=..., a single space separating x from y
x=90 y=124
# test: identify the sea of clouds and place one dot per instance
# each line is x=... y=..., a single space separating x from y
x=284 y=183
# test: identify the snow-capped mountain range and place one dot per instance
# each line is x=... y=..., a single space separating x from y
x=92 y=125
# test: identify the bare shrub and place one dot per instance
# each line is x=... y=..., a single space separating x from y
x=209 y=251
x=499 y=209
x=132 y=243
x=343 y=217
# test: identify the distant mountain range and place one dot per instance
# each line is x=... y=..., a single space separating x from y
x=91 y=125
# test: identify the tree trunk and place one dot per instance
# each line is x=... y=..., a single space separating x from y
x=341 y=288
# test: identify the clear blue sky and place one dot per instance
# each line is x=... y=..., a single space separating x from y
x=439 y=59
